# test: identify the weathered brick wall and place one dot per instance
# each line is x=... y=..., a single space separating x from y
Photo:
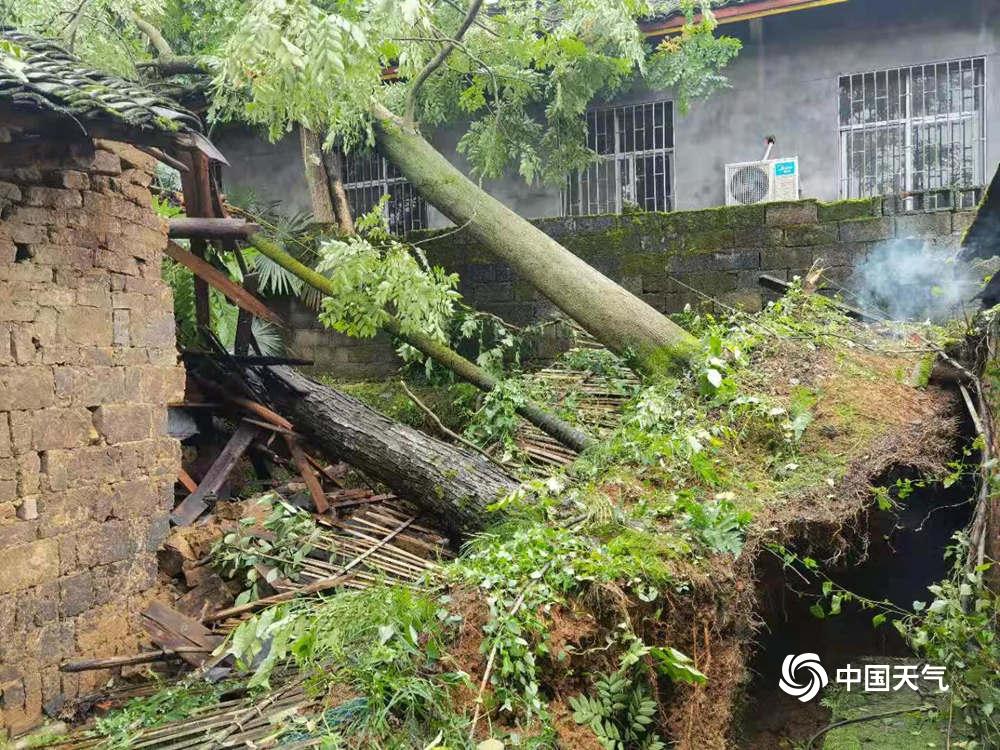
x=662 y=257
x=88 y=363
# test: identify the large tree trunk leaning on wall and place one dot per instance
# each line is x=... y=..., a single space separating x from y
x=562 y=431
x=451 y=483
x=613 y=315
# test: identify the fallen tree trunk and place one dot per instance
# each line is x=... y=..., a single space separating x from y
x=613 y=315
x=452 y=484
x=552 y=425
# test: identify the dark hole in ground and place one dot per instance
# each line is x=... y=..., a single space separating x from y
x=905 y=556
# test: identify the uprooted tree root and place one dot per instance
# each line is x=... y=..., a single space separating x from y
x=719 y=623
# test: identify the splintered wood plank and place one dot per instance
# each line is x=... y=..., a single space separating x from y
x=196 y=503
x=208 y=273
x=308 y=476
x=174 y=631
x=185 y=479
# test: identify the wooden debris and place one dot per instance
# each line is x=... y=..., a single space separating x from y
x=235 y=723
x=196 y=503
x=208 y=273
x=115 y=662
x=205 y=228
x=598 y=401
x=185 y=479
x=306 y=470
x=318 y=585
x=173 y=631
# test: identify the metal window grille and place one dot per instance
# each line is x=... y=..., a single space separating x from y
x=368 y=176
x=917 y=132
x=634 y=165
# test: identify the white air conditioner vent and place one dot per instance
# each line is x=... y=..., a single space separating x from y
x=762 y=181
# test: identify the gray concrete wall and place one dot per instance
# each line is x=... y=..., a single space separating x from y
x=271 y=171
x=785 y=83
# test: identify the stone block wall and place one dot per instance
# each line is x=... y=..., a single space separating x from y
x=88 y=363
x=665 y=258
x=333 y=352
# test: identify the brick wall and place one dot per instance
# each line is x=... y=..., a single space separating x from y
x=88 y=363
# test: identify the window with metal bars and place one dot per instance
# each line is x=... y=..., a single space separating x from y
x=368 y=176
x=635 y=160
x=916 y=132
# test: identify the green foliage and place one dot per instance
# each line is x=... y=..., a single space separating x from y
x=384 y=644
x=621 y=713
x=522 y=77
x=241 y=554
x=375 y=277
x=691 y=61
x=719 y=525
x=497 y=420
x=526 y=570
x=487 y=339
x=599 y=362
x=295 y=232
x=99 y=31
x=171 y=703
x=958 y=630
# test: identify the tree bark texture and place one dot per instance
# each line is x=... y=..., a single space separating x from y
x=444 y=356
x=613 y=315
x=452 y=484
x=341 y=206
x=316 y=177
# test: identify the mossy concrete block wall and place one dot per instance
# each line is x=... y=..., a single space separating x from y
x=332 y=352
x=668 y=259
x=88 y=364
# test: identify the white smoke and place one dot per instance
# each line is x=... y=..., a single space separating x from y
x=914 y=280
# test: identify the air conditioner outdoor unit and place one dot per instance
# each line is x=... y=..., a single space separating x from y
x=762 y=181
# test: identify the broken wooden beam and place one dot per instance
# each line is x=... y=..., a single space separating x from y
x=205 y=228
x=114 y=662
x=208 y=273
x=173 y=631
x=196 y=503
x=185 y=479
x=308 y=476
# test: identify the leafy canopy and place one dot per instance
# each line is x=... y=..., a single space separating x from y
x=520 y=78
x=99 y=31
